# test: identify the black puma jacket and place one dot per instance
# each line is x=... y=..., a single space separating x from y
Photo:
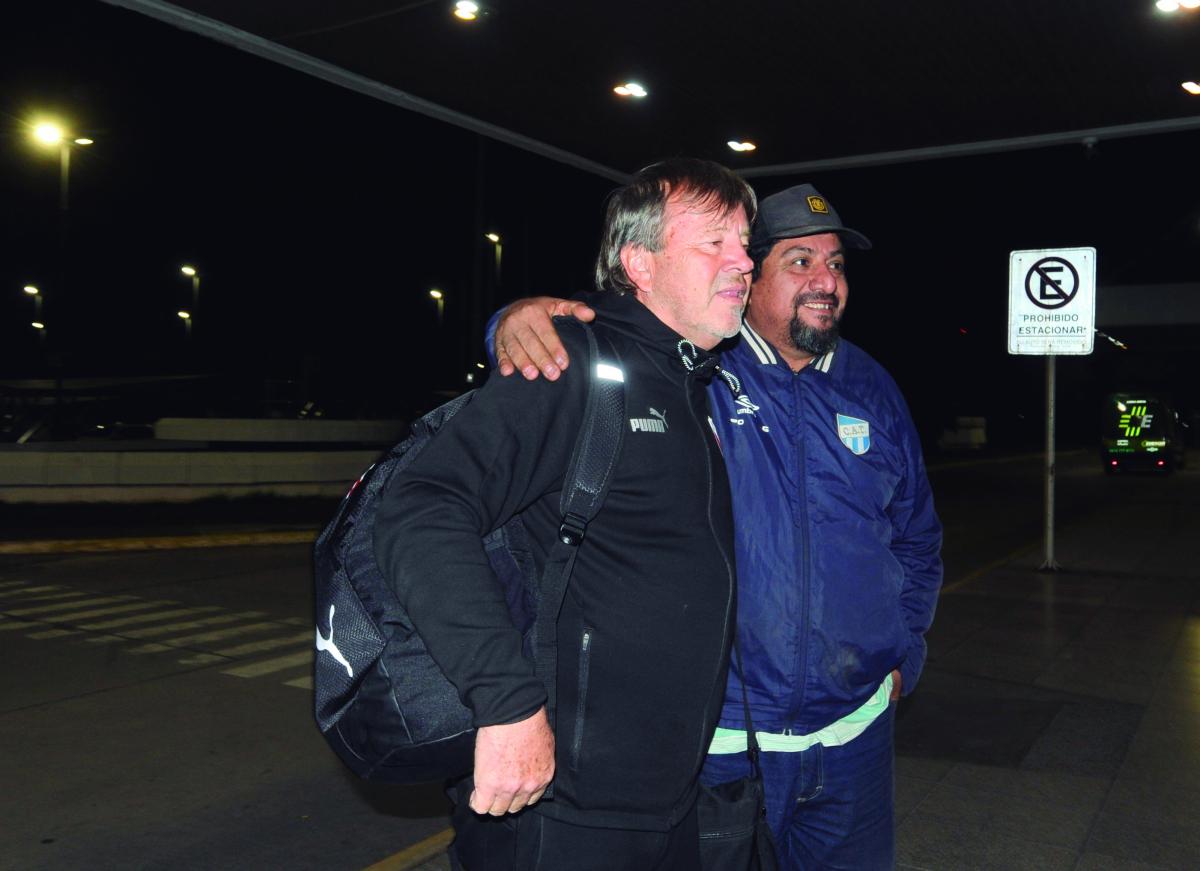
x=644 y=633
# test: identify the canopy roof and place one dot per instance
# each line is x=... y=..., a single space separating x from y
x=813 y=85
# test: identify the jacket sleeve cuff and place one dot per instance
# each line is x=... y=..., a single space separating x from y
x=514 y=707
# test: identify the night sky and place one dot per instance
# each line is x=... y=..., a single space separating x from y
x=319 y=220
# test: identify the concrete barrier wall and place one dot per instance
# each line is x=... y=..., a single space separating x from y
x=211 y=429
x=175 y=476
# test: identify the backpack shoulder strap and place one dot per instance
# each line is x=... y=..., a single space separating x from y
x=584 y=488
x=598 y=443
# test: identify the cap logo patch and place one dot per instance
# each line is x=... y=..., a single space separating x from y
x=818 y=205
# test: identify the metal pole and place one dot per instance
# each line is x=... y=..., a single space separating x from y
x=64 y=178
x=1048 y=564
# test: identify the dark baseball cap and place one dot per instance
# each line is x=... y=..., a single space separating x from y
x=799 y=211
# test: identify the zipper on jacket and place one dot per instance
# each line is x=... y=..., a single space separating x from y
x=702 y=750
x=585 y=655
x=806 y=556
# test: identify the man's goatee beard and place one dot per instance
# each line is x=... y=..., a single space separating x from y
x=812 y=340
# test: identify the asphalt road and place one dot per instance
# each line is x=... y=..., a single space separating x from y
x=155 y=707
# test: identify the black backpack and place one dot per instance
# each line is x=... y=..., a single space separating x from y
x=381 y=701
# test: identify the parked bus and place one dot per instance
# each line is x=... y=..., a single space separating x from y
x=1140 y=431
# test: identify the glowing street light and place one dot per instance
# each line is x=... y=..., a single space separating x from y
x=630 y=89
x=186 y=317
x=466 y=10
x=48 y=133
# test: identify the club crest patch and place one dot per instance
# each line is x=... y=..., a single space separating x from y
x=854 y=433
x=818 y=206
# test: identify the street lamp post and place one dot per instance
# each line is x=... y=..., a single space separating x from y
x=190 y=272
x=498 y=245
x=440 y=298
x=50 y=135
x=36 y=293
x=187 y=323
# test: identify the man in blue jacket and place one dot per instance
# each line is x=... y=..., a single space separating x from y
x=838 y=545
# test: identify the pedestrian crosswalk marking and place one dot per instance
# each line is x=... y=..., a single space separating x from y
x=269 y=644
x=44 y=588
x=50 y=597
x=201 y=659
x=41 y=610
x=159 y=631
x=10 y=625
x=146 y=618
x=215 y=635
x=52 y=633
x=267 y=666
x=105 y=612
x=67 y=606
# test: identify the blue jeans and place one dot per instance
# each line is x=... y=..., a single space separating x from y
x=828 y=807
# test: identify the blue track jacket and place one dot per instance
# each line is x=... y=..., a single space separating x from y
x=838 y=545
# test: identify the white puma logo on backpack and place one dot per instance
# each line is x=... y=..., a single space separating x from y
x=327 y=644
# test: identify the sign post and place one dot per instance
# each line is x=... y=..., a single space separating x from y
x=1051 y=311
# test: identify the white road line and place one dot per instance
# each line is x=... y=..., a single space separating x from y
x=269 y=644
x=13 y=625
x=51 y=597
x=305 y=683
x=104 y=612
x=25 y=591
x=46 y=609
x=267 y=666
x=4 y=585
x=217 y=635
x=147 y=618
x=201 y=659
x=159 y=631
x=51 y=633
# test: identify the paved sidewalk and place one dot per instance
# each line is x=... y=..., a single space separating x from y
x=1058 y=722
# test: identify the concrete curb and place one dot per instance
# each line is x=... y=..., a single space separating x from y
x=162 y=542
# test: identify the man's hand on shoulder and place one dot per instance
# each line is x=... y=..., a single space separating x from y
x=526 y=338
x=514 y=764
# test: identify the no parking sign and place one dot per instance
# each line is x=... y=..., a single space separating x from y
x=1052 y=301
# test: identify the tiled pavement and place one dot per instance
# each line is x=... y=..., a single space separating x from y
x=1058 y=721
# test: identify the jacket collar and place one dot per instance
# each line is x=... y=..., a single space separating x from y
x=625 y=314
x=766 y=354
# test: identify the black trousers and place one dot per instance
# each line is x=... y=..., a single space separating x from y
x=529 y=841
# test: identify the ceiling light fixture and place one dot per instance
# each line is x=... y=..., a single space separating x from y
x=630 y=89
x=466 y=10
x=1192 y=88
x=741 y=146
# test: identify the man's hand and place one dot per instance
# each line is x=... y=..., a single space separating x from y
x=896 y=681
x=513 y=765
x=526 y=338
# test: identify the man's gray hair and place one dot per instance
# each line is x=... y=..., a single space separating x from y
x=635 y=213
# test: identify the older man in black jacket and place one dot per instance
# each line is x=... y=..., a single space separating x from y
x=644 y=632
